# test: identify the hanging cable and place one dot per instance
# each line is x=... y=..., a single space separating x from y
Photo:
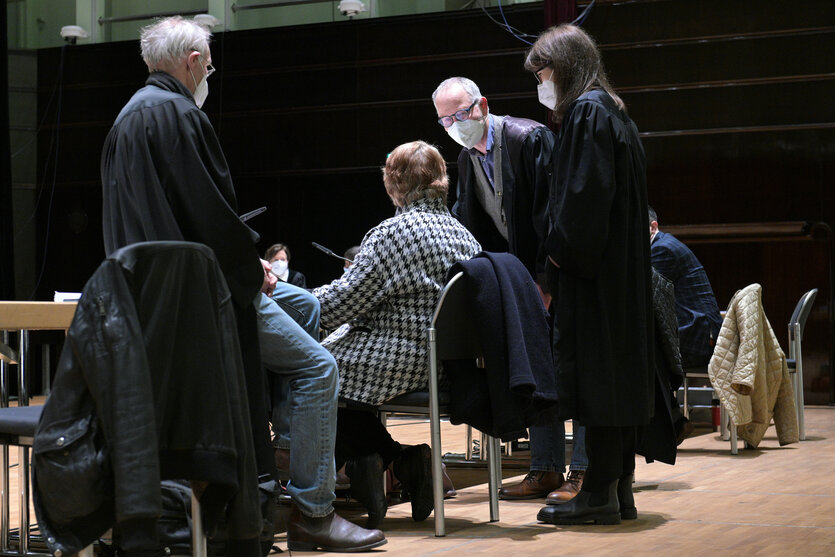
x=506 y=26
x=522 y=36
x=582 y=17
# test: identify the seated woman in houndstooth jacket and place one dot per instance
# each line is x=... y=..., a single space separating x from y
x=380 y=309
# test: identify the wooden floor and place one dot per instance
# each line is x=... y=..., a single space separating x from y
x=769 y=501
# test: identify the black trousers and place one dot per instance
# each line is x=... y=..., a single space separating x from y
x=611 y=453
x=360 y=433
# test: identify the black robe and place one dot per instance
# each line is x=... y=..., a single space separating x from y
x=164 y=177
x=603 y=326
x=527 y=148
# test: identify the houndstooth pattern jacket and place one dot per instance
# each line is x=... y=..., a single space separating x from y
x=382 y=306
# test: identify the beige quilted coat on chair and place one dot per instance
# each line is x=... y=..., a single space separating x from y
x=748 y=371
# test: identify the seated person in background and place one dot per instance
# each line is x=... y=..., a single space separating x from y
x=350 y=254
x=697 y=312
x=279 y=257
x=380 y=309
x=304 y=378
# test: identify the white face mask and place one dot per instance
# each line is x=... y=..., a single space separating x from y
x=547 y=93
x=201 y=90
x=467 y=132
x=279 y=267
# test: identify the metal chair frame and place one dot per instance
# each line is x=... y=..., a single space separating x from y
x=795 y=359
x=451 y=335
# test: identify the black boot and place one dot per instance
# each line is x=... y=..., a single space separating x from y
x=366 y=474
x=585 y=508
x=625 y=498
x=414 y=470
x=329 y=533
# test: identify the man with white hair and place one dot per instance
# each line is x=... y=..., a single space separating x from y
x=165 y=177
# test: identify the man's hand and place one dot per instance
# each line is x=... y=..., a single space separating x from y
x=546 y=298
x=270 y=280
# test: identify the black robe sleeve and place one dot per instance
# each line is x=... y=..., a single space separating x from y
x=584 y=188
x=200 y=192
x=536 y=165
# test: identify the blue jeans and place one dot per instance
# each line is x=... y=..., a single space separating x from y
x=548 y=447
x=306 y=376
x=303 y=308
x=299 y=304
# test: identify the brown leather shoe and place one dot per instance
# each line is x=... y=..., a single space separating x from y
x=329 y=533
x=535 y=485
x=568 y=490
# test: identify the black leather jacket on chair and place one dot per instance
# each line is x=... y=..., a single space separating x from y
x=149 y=386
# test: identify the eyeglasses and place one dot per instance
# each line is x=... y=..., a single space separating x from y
x=538 y=73
x=460 y=116
x=209 y=70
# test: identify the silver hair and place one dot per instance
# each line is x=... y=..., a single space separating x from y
x=468 y=84
x=167 y=41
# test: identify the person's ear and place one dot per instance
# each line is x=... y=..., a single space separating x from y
x=192 y=60
x=482 y=104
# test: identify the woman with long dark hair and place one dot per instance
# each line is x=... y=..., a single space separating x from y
x=599 y=269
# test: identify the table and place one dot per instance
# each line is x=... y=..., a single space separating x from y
x=23 y=317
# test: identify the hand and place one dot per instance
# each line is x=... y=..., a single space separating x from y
x=546 y=298
x=270 y=280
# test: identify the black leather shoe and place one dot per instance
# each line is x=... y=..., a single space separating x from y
x=585 y=508
x=329 y=533
x=414 y=470
x=625 y=498
x=366 y=474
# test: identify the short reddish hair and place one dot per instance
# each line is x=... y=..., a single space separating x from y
x=413 y=171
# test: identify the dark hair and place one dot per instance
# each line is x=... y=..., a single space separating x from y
x=575 y=60
x=274 y=249
x=413 y=171
x=351 y=252
x=652 y=214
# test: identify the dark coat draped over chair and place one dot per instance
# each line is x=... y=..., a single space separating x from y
x=149 y=386
x=517 y=383
x=657 y=440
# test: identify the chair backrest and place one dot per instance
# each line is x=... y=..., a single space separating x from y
x=801 y=312
x=457 y=338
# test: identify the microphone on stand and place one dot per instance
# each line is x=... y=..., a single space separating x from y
x=325 y=250
x=246 y=216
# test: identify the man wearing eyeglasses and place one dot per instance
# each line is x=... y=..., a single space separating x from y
x=503 y=172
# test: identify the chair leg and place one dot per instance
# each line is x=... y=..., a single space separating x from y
x=798 y=391
x=23 y=479
x=724 y=430
x=435 y=431
x=198 y=537
x=493 y=458
x=468 y=453
x=732 y=428
x=686 y=409
x=4 y=499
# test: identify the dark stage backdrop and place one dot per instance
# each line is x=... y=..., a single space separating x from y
x=734 y=100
